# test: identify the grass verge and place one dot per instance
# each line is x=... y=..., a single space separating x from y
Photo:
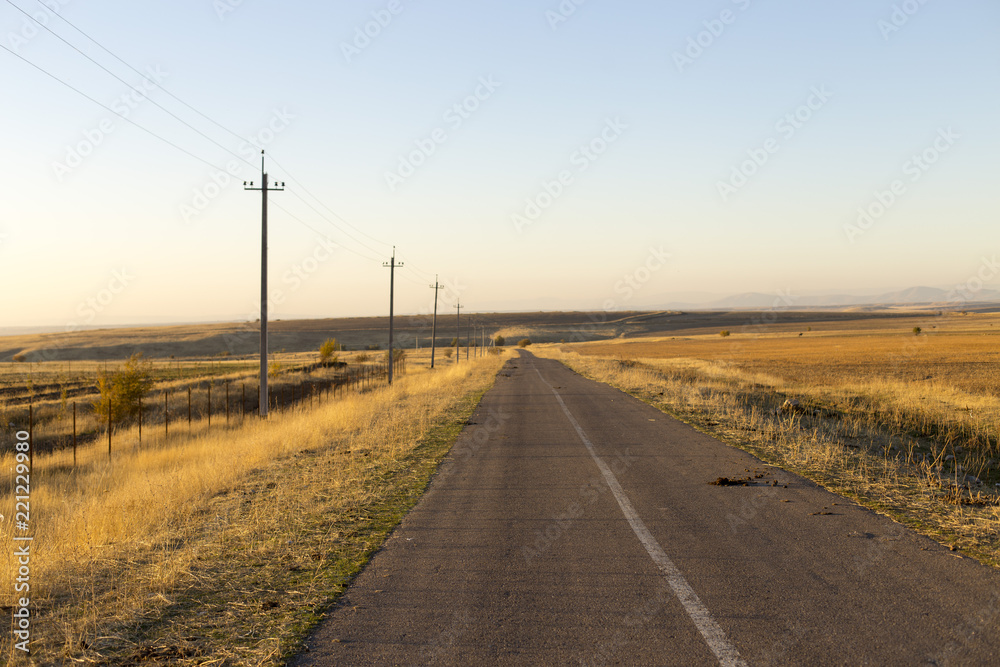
x=908 y=478
x=227 y=549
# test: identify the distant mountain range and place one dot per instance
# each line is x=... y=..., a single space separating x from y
x=924 y=296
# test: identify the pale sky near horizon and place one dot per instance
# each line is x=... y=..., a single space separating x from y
x=610 y=157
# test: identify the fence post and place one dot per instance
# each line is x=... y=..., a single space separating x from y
x=227 y=402
x=166 y=415
x=140 y=420
x=109 y=428
x=189 y=409
x=210 y=404
x=243 y=400
x=74 y=434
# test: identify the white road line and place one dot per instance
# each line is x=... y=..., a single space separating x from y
x=709 y=629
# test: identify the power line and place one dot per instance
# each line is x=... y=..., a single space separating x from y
x=104 y=106
x=347 y=234
x=123 y=62
x=319 y=233
x=416 y=270
x=130 y=86
x=288 y=174
x=320 y=202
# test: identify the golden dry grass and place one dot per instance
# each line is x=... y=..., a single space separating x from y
x=864 y=427
x=222 y=548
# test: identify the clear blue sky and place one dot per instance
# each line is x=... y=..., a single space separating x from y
x=668 y=122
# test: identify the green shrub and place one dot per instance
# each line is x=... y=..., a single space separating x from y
x=327 y=349
x=724 y=333
x=122 y=390
x=524 y=342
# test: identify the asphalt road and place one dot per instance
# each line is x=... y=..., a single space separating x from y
x=573 y=524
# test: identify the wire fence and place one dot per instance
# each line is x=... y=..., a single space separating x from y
x=73 y=433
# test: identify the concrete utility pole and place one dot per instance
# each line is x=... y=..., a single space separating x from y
x=434 y=323
x=392 y=272
x=458 y=331
x=264 y=188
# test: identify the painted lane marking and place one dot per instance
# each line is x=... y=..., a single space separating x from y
x=709 y=629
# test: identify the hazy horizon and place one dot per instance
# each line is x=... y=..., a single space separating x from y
x=528 y=153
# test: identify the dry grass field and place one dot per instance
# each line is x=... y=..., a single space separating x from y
x=957 y=351
x=908 y=424
x=223 y=546
x=241 y=339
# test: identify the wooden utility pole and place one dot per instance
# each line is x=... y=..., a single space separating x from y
x=264 y=188
x=392 y=272
x=458 y=331
x=434 y=323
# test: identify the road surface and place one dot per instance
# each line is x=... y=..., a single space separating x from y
x=573 y=524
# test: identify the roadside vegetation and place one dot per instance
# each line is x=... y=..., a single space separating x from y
x=224 y=546
x=846 y=410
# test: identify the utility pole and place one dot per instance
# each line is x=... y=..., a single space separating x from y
x=392 y=272
x=458 y=331
x=264 y=188
x=434 y=323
